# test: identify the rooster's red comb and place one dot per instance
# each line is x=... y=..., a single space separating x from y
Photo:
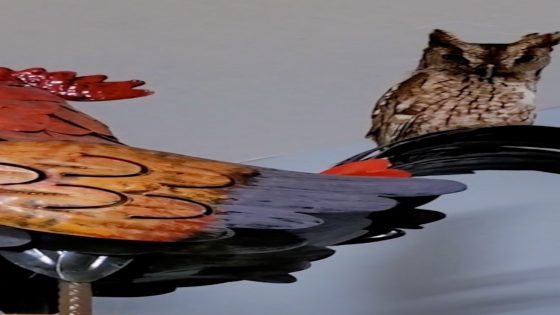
x=69 y=86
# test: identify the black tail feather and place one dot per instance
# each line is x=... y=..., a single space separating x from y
x=468 y=150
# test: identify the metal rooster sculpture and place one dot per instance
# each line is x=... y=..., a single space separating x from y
x=78 y=205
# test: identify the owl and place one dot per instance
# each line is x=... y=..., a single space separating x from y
x=459 y=84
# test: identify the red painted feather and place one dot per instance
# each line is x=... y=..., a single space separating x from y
x=376 y=167
x=33 y=104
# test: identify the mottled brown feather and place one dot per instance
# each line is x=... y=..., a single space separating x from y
x=463 y=85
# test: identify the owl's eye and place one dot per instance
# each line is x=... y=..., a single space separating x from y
x=454 y=57
x=525 y=59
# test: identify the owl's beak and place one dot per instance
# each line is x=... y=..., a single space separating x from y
x=486 y=71
x=489 y=71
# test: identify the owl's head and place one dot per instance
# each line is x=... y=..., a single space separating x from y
x=523 y=59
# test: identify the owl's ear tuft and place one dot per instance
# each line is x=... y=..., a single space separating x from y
x=442 y=38
x=531 y=35
x=540 y=40
x=554 y=38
